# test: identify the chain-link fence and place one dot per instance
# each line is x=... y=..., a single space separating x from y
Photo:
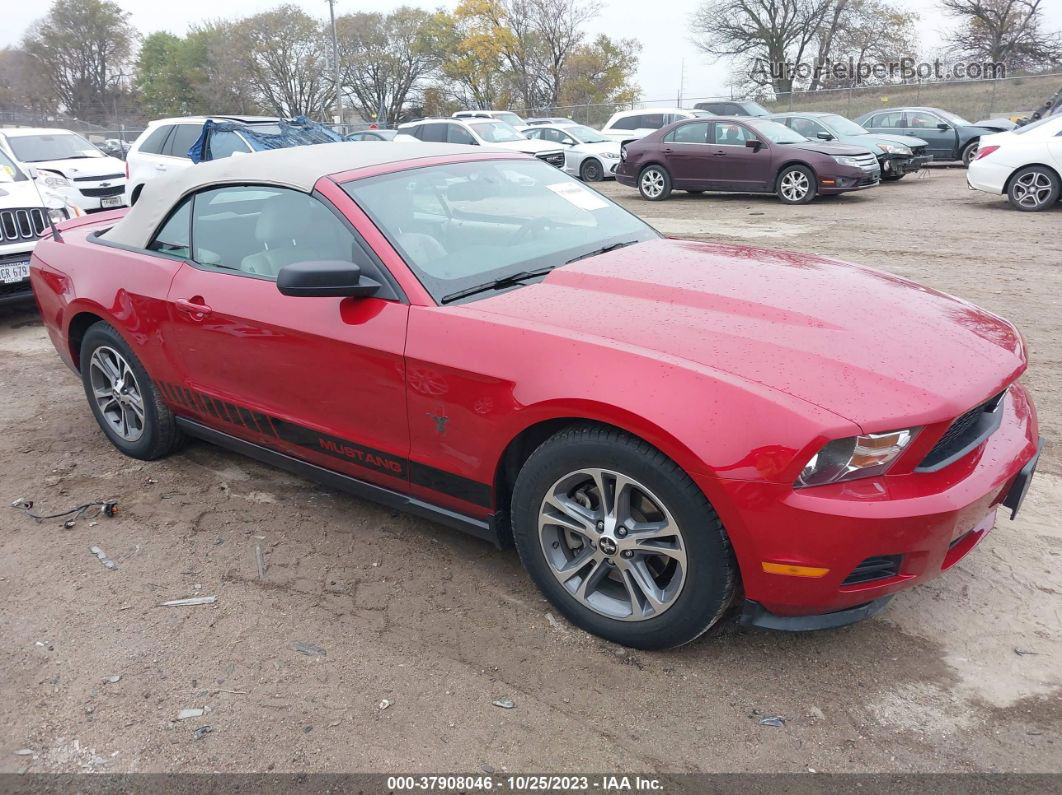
x=972 y=99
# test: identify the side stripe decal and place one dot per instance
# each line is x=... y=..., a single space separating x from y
x=439 y=480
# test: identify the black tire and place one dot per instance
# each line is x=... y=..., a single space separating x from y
x=969 y=152
x=591 y=170
x=1033 y=188
x=794 y=196
x=711 y=572
x=652 y=179
x=892 y=177
x=695 y=192
x=160 y=434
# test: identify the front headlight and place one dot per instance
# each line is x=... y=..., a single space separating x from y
x=611 y=155
x=54 y=180
x=57 y=214
x=854 y=457
x=895 y=149
x=844 y=160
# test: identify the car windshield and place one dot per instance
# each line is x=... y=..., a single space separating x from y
x=841 y=125
x=495 y=132
x=462 y=225
x=954 y=118
x=60 y=146
x=9 y=172
x=585 y=135
x=755 y=109
x=510 y=118
x=774 y=132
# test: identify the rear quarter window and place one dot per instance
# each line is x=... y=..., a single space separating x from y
x=154 y=143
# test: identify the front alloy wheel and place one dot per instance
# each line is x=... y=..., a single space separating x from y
x=796 y=185
x=612 y=544
x=1033 y=189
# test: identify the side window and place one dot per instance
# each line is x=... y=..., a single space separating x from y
x=693 y=133
x=919 y=120
x=434 y=133
x=730 y=134
x=535 y=133
x=627 y=123
x=890 y=120
x=224 y=142
x=806 y=127
x=174 y=236
x=456 y=134
x=258 y=230
x=652 y=120
x=155 y=142
x=184 y=135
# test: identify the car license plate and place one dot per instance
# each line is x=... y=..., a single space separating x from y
x=14 y=272
x=111 y=201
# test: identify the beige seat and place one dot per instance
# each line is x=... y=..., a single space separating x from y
x=293 y=227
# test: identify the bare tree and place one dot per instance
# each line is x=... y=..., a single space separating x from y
x=1004 y=31
x=85 y=48
x=384 y=58
x=764 y=35
x=25 y=89
x=865 y=31
x=557 y=32
x=285 y=54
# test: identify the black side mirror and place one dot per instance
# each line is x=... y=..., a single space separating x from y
x=325 y=278
x=943 y=126
x=754 y=144
x=825 y=136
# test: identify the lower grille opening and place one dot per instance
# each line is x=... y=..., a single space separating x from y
x=880 y=567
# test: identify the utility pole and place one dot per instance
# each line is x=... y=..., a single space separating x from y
x=682 y=83
x=335 y=62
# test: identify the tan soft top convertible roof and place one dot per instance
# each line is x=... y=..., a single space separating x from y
x=297 y=167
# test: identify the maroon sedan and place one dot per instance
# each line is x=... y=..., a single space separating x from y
x=743 y=156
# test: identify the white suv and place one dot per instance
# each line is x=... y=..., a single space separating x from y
x=479 y=132
x=627 y=125
x=506 y=116
x=163 y=147
x=68 y=165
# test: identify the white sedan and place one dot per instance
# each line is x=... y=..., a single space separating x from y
x=1025 y=164
x=587 y=153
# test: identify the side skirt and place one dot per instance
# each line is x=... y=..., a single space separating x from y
x=480 y=528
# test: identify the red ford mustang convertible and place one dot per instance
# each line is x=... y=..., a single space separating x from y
x=665 y=429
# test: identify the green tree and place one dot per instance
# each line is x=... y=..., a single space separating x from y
x=601 y=72
x=167 y=76
x=85 y=48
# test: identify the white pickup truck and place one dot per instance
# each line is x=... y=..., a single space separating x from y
x=25 y=212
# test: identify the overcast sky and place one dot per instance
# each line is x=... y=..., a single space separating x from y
x=662 y=27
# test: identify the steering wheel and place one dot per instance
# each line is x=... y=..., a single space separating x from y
x=525 y=231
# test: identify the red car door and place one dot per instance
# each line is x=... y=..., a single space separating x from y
x=320 y=378
x=736 y=166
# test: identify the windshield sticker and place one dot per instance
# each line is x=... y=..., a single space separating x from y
x=583 y=198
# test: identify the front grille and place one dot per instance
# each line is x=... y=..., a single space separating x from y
x=16 y=289
x=877 y=568
x=21 y=224
x=97 y=192
x=866 y=161
x=99 y=179
x=870 y=179
x=918 y=151
x=554 y=159
x=964 y=434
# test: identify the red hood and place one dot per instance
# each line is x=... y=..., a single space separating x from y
x=869 y=346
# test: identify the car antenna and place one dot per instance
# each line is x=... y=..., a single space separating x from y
x=55 y=230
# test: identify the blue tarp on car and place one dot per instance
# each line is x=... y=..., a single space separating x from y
x=261 y=136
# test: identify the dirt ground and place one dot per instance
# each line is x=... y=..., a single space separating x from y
x=415 y=629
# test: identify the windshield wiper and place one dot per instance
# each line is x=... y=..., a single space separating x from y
x=602 y=250
x=497 y=284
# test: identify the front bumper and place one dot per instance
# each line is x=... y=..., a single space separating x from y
x=90 y=196
x=898 y=165
x=925 y=521
x=11 y=292
x=848 y=178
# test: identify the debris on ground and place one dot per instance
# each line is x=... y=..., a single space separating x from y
x=773 y=720
x=201 y=732
x=504 y=703
x=191 y=712
x=309 y=649
x=24 y=752
x=385 y=703
x=190 y=601
x=107 y=507
x=112 y=680
x=106 y=561
x=258 y=559
x=1023 y=652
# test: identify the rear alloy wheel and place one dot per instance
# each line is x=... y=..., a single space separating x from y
x=591 y=170
x=1033 y=188
x=123 y=398
x=654 y=183
x=620 y=540
x=796 y=185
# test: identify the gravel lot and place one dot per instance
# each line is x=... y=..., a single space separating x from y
x=416 y=629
